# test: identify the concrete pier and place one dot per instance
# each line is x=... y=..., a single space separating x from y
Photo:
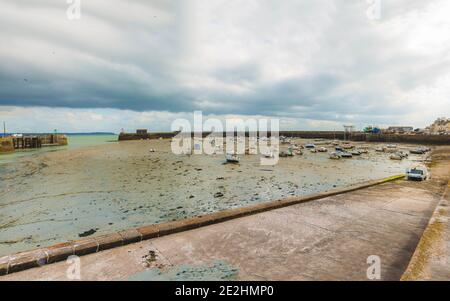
x=10 y=144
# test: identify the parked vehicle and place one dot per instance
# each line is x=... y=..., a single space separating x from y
x=322 y=150
x=310 y=146
x=419 y=173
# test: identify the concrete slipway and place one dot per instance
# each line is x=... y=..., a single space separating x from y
x=325 y=239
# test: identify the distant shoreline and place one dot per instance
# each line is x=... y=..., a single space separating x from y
x=68 y=134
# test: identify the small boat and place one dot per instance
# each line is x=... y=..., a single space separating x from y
x=232 y=158
x=347 y=146
x=396 y=156
x=287 y=153
x=417 y=151
x=269 y=155
x=290 y=152
x=322 y=150
x=363 y=150
x=335 y=156
x=346 y=155
x=284 y=155
x=356 y=153
x=403 y=154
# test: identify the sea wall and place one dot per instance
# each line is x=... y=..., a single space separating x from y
x=6 y=145
x=53 y=139
x=340 y=135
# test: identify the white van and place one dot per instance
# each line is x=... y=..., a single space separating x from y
x=419 y=173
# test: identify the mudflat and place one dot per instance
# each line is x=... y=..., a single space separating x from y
x=59 y=196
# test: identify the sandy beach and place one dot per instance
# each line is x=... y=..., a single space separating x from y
x=64 y=195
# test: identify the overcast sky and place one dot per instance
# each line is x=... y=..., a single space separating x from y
x=315 y=64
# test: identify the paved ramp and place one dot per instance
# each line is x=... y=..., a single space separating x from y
x=326 y=239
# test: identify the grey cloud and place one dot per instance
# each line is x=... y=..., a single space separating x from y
x=310 y=59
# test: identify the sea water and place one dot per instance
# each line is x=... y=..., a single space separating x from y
x=74 y=141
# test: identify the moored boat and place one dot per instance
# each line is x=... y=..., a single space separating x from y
x=346 y=155
x=335 y=156
x=232 y=158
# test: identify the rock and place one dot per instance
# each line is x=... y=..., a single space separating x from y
x=218 y=195
x=87 y=233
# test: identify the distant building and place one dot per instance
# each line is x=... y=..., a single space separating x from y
x=400 y=129
x=440 y=127
x=142 y=132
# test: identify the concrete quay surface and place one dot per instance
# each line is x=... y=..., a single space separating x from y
x=431 y=260
x=326 y=239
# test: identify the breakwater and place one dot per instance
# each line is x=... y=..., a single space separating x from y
x=6 y=145
x=339 y=135
x=10 y=144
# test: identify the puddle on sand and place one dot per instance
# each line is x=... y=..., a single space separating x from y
x=215 y=271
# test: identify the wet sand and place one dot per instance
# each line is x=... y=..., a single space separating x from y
x=59 y=196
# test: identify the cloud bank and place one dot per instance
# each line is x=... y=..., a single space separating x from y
x=313 y=63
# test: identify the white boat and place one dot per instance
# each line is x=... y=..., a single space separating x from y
x=232 y=158
x=335 y=156
x=269 y=155
x=396 y=156
x=363 y=150
x=346 y=155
